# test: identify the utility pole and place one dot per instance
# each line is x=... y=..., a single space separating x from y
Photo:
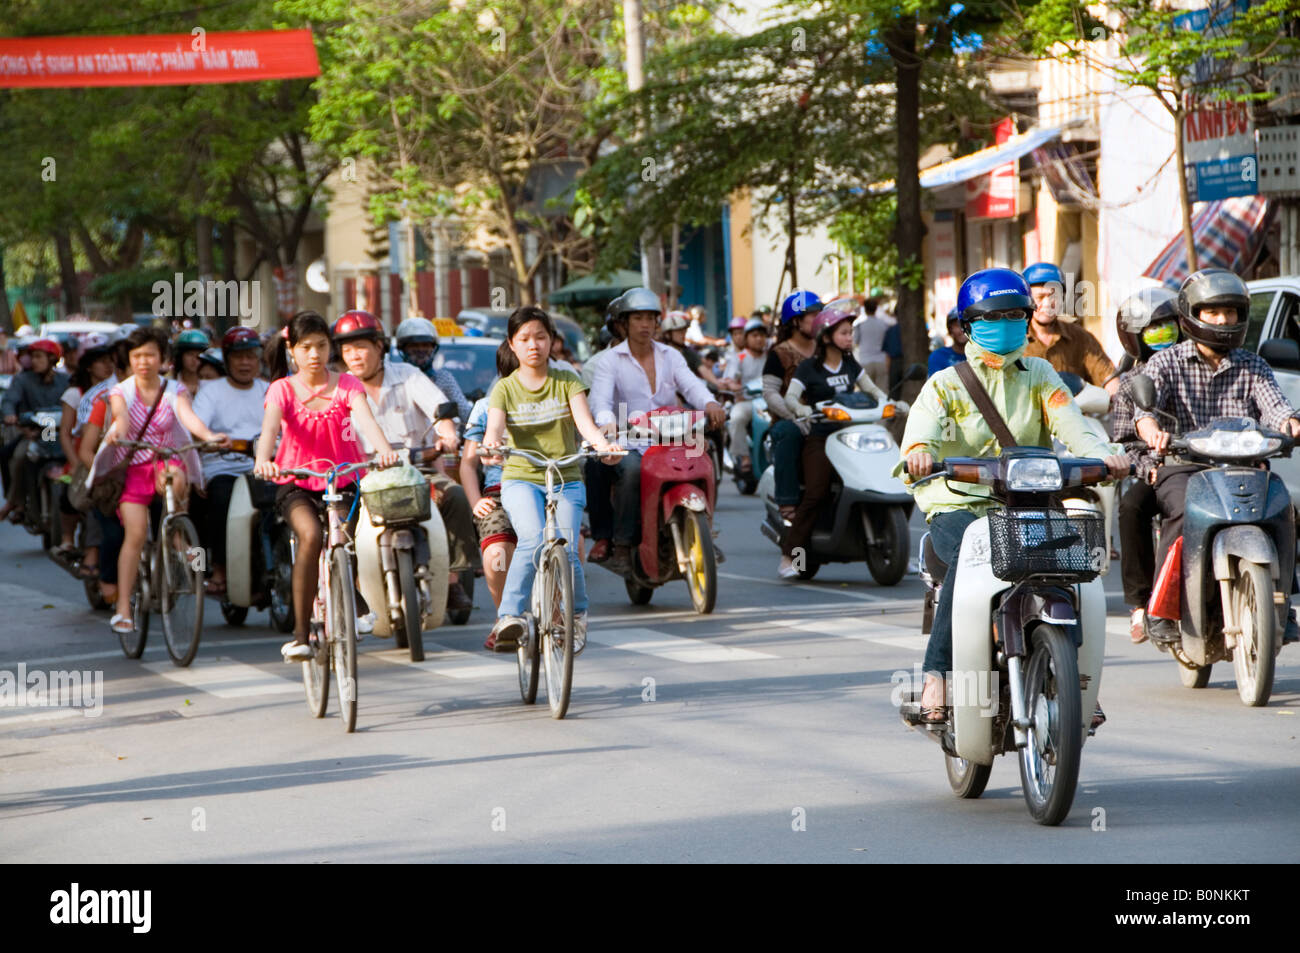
x=652 y=250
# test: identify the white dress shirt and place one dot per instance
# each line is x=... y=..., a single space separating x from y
x=407 y=409
x=621 y=387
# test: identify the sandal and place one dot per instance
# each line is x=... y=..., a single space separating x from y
x=121 y=625
x=214 y=588
x=88 y=571
x=787 y=512
x=938 y=715
x=1098 y=719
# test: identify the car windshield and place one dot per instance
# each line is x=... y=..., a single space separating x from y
x=473 y=366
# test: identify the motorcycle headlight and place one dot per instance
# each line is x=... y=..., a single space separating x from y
x=1234 y=444
x=1033 y=474
x=866 y=442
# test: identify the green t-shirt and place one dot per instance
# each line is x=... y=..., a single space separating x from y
x=539 y=421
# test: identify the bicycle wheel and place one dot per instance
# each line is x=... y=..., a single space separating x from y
x=282 y=579
x=316 y=670
x=556 y=627
x=341 y=612
x=412 y=623
x=133 y=641
x=529 y=658
x=180 y=589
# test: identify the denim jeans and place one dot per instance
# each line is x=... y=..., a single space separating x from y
x=946 y=531
x=526 y=504
x=627 y=499
x=787 y=445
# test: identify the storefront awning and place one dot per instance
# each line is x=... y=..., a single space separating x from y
x=1227 y=234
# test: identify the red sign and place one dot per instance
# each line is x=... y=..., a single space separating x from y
x=994 y=195
x=166 y=59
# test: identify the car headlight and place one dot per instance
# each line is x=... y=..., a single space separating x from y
x=865 y=441
x=1234 y=443
x=1033 y=474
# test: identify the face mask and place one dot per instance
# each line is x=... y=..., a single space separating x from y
x=423 y=363
x=999 y=337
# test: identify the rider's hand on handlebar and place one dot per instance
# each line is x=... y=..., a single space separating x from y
x=609 y=449
x=484 y=506
x=1157 y=439
x=390 y=459
x=266 y=471
x=1118 y=466
x=112 y=436
x=1293 y=426
x=919 y=464
x=487 y=453
x=717 y=417
x=222 y=440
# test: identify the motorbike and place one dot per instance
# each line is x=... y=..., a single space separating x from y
x=260 y=551
x=1094 y=403
x=449 y=464
x=42 y=515
x=759 y=425
x=1238 y=552
x=402 y=555
x=865 y=515
x=678 y=493
x=1030 y=606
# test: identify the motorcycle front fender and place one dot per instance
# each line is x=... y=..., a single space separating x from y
x=370 y=570
x=1246 y=542
x=241 y=530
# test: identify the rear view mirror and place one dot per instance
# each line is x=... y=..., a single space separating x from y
x=449 y=410
x=916 y=372
x=1144 y=392
x=1281 y=354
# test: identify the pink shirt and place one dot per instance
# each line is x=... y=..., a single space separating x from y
x=161 y=426
x=317 y=439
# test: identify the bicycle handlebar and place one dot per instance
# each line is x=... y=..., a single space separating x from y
x=541 y=461
x=338 y=470
x=167 y=452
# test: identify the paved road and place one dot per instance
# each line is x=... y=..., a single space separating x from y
x=771 y=715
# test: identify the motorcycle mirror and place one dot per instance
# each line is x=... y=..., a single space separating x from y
x=1073 y=382
x=449 y=410
x=1144 y=392
x=916 y=372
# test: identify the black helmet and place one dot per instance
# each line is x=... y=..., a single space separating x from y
x=1138 y=312
x=1220 y=288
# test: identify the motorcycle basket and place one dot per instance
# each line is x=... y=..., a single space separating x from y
x=1028 y=541
x=397 y=495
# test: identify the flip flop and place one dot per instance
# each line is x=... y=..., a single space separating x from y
x=121 y=624
x=214 y=588
x=88 y=572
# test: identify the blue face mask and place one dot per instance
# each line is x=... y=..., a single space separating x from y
x=999 y=337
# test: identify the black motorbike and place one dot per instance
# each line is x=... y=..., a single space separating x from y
x=44 y=463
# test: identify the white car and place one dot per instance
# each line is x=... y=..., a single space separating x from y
x=1275 y=334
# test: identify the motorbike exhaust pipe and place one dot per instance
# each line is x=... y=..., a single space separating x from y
x=766 y=529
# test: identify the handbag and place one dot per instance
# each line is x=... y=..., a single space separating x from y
x=106 y=493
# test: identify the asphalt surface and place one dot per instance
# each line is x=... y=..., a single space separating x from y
x=763 y=732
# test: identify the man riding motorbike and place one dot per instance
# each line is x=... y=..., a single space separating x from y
x=794 y=343
x=406 y=407
x=1063 y=344
x=417 y=342
x=1207 y=376
x=948 y=356
x=1147 y=323
x=640 y=375
x=39 y=387
x=944 y=422
x=748 y=367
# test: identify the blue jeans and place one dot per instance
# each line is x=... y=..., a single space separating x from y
x=946 y=531
x=787 y=447
x=525 y=504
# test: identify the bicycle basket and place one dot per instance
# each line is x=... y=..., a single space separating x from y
x=396 y=495
x=1026 y=542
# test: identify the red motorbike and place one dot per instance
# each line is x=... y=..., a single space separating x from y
x=678 y=493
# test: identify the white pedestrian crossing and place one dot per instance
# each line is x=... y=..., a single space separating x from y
x=675 y=648
x=226 y=678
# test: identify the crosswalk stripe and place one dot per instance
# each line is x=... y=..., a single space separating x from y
x=225 y=678
x=675 y=648
x=861 y=630
x=452 y=663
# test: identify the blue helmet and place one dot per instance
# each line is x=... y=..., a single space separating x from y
x=1040 y=273
x=993 y=289
x=798 y=303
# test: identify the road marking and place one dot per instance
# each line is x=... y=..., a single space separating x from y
x=225 y=678
x=675 y=648
x=53 y=714
x=822 y=590
x=860 y=630
x=453 y=663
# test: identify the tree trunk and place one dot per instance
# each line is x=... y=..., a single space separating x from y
x=203 y=247
x=675 y=263
x=791 y=223
x=910 y=230
x=228 y=251
x=6 y=318
x=1184 y=200
x=67 y=271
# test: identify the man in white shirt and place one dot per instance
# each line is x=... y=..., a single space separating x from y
x=412 y=412
x=869 y=342
x=639 y=375
x=233 y=405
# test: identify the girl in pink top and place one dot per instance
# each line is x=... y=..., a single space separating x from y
x=312 y=413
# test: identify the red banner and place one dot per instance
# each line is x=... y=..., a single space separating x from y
x=994 y=195
x=164 y=59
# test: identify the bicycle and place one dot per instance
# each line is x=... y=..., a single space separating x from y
x=333 y=632
x=169 y=580
x=552 y=596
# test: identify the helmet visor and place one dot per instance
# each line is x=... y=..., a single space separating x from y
x=1160 y=335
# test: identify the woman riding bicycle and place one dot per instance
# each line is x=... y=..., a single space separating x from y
x=312 y=412
x=540 y=406
x=147 y=409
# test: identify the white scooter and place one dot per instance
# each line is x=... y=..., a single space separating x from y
x=865 y=516
x=260 y=551
x=1029 y=605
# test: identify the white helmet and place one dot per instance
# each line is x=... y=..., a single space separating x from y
x=416 y=331
x=674 y=321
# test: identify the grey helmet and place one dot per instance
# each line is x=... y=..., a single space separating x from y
x=1147 y=307
x=1214 y=287
x=634 y=299
x=415 y=331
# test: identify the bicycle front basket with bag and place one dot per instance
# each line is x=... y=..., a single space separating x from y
x=1028 y=541
x=398 y=494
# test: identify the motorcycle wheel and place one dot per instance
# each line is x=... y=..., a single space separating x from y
x=49 y=517
x=281 y=610
x=1193 y=677
x=1252 y=659
x=702 y=577
x=809 y=569
x=638 y=594
x=887 y=560
x=1049 y=763
x=967 y=778
x=233 y=614
x=94 y=595
x=411 y=621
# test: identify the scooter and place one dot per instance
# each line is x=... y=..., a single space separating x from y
x=678 y=494
x=1029 y=605
x=1232 y=574
x=260 y=552
x=42 y=515
x=746 y=480
x=759 y=425
x=402 y=555
x=1094 y=403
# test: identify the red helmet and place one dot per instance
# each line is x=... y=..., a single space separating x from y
x=357 y=324
x=49 y=346
x=239 y=338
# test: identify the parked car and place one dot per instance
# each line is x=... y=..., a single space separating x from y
x=493 y=325
x=1275 y=334
x=471 y=360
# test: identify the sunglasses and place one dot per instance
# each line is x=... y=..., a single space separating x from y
x=1013 y=315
